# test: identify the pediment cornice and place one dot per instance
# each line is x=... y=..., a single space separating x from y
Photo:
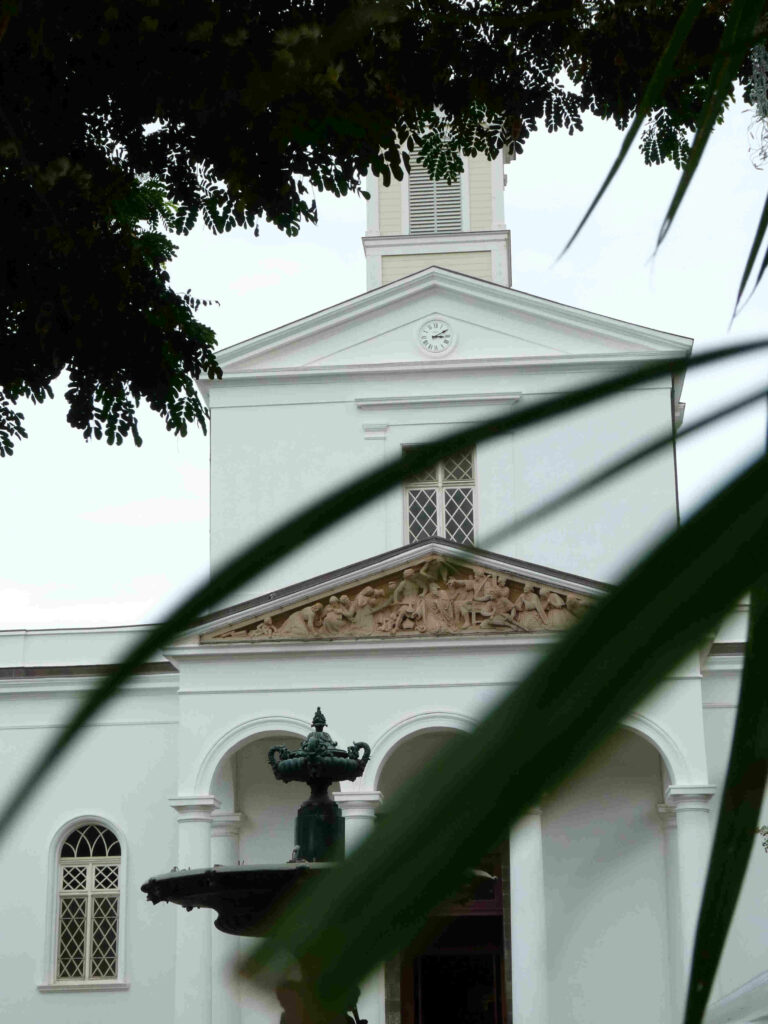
x=434 y=589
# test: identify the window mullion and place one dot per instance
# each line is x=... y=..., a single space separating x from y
x=88 y=922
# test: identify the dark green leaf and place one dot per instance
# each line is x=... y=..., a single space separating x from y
x=739 y=810
x=455 y=811
x=651 y=99
x=737 y=40
x=263 y=552
x=551 y=505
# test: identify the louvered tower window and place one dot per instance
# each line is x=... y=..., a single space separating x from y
x=441 y=501
x=433 y=206
x=88 y=904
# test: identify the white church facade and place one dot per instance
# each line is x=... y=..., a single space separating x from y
x=405 y=623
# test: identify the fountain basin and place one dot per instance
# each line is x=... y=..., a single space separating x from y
x=245 y=897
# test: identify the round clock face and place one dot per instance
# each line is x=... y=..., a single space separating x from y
x=436 y=336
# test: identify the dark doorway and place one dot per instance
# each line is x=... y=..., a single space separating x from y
x=458 y=978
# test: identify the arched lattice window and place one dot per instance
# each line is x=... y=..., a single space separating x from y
x=88 y=905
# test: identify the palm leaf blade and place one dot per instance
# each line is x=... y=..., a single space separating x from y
x=742 y=798
x=737 y=39
x=540 y=732
x=264 y=552
x=653 y=94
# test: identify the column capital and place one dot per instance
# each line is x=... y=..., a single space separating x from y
x=360 y=803
x=689 y=798
x=667 y=815
x=194 y=808
x=225 y=823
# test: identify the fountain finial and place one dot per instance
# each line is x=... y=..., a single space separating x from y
x=319 y=762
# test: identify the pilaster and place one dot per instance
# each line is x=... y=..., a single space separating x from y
x=359 y=808
x=691 y=809
x=193 y=930
x=225 y=949
x=528 y=921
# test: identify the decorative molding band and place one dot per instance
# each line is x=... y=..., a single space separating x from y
x=689 y=798
x=463 y=286
x=225 y=823
x=194 y=808
x=87 y=986
x=359 y=804
x=56 y=671
x=375 y=431
x=434 y=241
x=424 y=401
x=745 y=1003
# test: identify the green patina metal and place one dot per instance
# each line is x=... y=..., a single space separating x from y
x=319 y=834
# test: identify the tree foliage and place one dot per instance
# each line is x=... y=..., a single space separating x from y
x=121 y=122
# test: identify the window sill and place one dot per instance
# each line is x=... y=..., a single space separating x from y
x=86 y=986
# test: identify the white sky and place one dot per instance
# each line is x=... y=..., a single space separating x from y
x=100 y=536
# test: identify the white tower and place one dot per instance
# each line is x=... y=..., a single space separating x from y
x=417 y=223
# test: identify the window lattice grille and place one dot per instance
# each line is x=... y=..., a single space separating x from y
x=422 y=514
x=433 y=206
x=89 y=900
x=436 y=507
x=459 y=515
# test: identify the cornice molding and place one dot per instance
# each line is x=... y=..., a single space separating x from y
x=425 y=401
x=371 y=568
x=397 y=646
x=437 y=280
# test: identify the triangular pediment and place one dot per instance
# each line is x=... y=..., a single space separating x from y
x=435 y=588
x=487 y=322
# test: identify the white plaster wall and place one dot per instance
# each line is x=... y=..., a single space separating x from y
x=269 y=459
x=268 y=806
x=123 y=773
x=745 y=949
x=604 y=877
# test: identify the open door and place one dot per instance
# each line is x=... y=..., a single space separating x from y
x=458 y=975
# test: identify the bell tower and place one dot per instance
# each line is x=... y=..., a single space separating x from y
x=420 y=222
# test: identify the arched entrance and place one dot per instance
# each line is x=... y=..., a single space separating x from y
x=456 y=970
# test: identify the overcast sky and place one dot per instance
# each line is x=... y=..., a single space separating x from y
x=100 y=536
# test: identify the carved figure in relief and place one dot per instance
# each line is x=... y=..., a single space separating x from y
x=502 y=614
x=363 y=608
x=530 y=615
x=557 y=614
x=301 y=623
x=427 y=598
x=334 y=617
x=432 y=617
x=263 y=628
x=480 y=589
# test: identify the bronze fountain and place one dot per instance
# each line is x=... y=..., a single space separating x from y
x=248 y=897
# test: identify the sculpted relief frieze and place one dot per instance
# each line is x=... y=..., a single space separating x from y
x=435 y=597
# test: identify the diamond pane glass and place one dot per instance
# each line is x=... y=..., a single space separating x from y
x=422 y=514
x=74 y=877
x=458 y=468
x=104 y=937
x=72 y=921
x=459 y=515
x=105 y=876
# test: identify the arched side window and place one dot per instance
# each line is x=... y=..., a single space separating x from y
x=88 y=900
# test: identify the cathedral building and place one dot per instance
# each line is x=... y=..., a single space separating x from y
x=405 y=623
